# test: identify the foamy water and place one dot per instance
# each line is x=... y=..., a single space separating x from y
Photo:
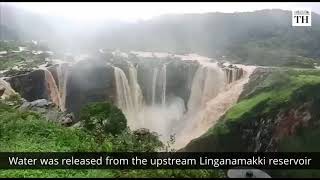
x=199 y=122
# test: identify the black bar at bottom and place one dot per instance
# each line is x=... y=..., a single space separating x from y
x=162 y=160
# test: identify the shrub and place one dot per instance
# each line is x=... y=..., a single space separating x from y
x=103 y=117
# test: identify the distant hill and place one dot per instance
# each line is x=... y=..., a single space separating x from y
x=263 y=37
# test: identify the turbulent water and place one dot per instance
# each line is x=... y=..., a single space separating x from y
x=164 y=84
x=137 y=97
x=198 y=122
x=214 y=90
x=207 y=83
x=129 y=95
x=57 y=91
x=124 y=95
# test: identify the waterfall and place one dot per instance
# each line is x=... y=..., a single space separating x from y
x=159 y=80
x=124 y=96
x=164 y=84
x=207 y=83
x=199 y=121
x=62 y=73
x=213 y=90
x=154 y=84
x=137 y=97
x=52 y=87
x=159 y=116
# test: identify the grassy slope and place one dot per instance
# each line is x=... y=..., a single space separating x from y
x=29 y=132
x=282 y=86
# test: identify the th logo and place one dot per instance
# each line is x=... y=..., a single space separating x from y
x=301 y=17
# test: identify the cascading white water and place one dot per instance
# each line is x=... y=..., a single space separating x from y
x=208 y=81
x=200 y=121
x=159 y=79
x=154 y=84
x=159 y=117
x=52 y=87
x=135 y=88
x=164 y=84
x=124 y=96
x=62 y=73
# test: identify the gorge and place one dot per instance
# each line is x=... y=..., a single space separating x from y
x=180 y=96
x=182 y=83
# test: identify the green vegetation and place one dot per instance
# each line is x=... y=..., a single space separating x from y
x=247 y=105
x=277 y=88
x=23 y=60
x=8 y=46
x=26 y=131
x=103 y=118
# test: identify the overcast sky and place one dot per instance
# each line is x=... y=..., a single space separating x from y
x=146 y=10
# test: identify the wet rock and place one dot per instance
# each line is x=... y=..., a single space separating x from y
x=67 y=120
x=50 y=114
x=2 y=89
x=141 y=132
x=89 y=81
x=14 y=72
x=30 y=86
x=49 y=111
x=40 y=103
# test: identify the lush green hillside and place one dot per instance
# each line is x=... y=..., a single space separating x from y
x=26 y=131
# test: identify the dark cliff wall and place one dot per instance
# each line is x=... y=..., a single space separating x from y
x=30 y=86
x=179 y=78
x=89 y=81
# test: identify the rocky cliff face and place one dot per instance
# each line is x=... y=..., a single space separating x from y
x=89 y=81
x=179 y=78
x=30 y=86
x=93 y=80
